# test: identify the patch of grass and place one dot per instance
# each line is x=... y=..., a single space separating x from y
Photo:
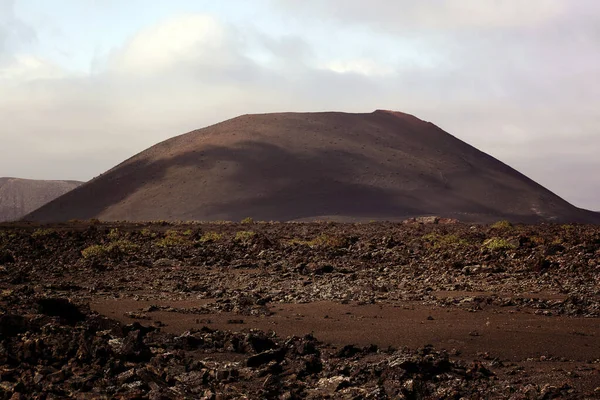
x=244 y=236
x=502 y=225
x=5 y=236
x=247 y=220
x=115 y=249
x=42 y=233
x=498 y=244
x=211 y=237
x=439 y=241
x=147 y=233
x=173 y=239
x=297 y=241
x=114 y=234
x=568 y=228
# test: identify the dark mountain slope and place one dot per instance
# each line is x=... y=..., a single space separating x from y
x=382 y=165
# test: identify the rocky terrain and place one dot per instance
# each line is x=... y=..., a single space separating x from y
x=21 y=196
x=425 y=309
x=382 y=165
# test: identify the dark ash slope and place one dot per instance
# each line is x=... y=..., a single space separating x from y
x=382 y=165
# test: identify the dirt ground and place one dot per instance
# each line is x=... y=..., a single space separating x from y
x=299 y=310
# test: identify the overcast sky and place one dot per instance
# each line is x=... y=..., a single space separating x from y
x=85 y=84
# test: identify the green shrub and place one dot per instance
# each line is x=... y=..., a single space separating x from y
x=110 y=250
x=147 y=233
x=502 y=225
x=211 y=237
x=244 y=236
x=114 y=234
x=42 y=233
x=248 y=220
x=95 y=251
x=496 y=243
x=296 y=241
x=568 y=228
x=324 y=240
x=173 y=239
x=439 y=241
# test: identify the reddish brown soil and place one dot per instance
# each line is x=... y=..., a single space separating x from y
x=293 y=166
x=510 y=335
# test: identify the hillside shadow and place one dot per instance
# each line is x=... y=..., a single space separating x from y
x=275 y=183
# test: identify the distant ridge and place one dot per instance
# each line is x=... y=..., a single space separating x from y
x=21 y=196
x=289 y=166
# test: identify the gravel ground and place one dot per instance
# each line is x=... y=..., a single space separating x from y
x=91 y=310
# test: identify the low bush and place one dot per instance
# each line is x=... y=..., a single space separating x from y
x=114 y=234
x=244 y=236
x=147 y=233
x=42 y=233
x=438 y=241
x=113 y=250
x=172 y=239
x=498 y=244
x=502 y=225
x=211 y=237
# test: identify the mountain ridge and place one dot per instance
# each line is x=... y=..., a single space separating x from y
x=19 y=196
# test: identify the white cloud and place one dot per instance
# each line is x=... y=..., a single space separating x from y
x=23 y=68
x=360 y=66
x=408 y=15
x=511 y=93
x=185 y=39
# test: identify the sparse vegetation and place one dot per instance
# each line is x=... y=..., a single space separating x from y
x=504 y=224
x=247 y=220
x=115 y=249
x=114 y=234
x=450 y=240
x=325 y=240
x=244 y=236
x=147 y=233
x=254 y=277
x=568 y=228
x=173 y=238
x=42 y=233
x=211 y=237
x=497 y=243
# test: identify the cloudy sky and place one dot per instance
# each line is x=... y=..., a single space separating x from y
x=85 y=84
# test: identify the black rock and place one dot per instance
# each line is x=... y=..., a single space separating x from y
x=60 y=307
x=266 y=357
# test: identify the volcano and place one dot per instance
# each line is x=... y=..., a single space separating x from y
x=295 y=166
